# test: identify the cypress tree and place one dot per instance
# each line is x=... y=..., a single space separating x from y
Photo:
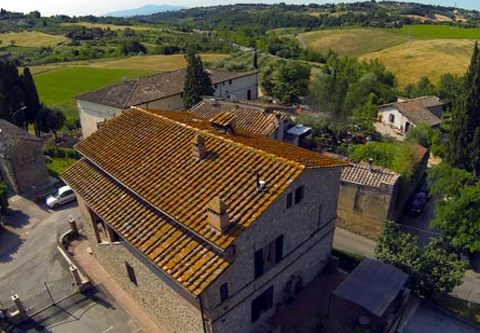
x=466 y=119
x=32 y=102
x=197 y=80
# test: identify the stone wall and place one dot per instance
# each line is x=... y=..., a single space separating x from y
x=162 y=299
x=364 y=210
x=24 y=167
x=308 y=235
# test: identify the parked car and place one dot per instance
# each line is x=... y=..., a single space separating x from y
x=60 y=197
x=417 y=205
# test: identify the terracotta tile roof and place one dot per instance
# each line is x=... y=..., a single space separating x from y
x=223 y=119
x=417 y=110
x=362 y=174
x=186 y=260
x=150 y=88
x=12 y=136
x=255 y=119
x=146 y=160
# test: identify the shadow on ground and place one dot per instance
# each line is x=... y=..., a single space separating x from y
x=10 y=243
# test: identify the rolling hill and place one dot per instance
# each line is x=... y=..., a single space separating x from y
x=145 y=10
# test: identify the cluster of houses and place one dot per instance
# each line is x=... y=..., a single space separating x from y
x=212 y=218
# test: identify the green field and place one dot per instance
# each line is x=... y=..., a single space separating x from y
x=437 y=31
x=351 y=42
x=58 y=85
x=31 y=39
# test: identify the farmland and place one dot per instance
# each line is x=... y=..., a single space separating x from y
x=57 y=88
x=352 y=42
x=431 y=58
x=111 y=26
x=31 y=39
x=437 y=31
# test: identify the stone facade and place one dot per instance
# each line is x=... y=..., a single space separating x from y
x=23 y=166
x=307 y=228
x=364 y=209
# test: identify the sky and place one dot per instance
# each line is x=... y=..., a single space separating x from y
x=100 y=7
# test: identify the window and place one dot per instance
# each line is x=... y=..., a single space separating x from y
x=299 y=194
x=262 y=304
x=391 y=118
x=115 y=236
x=223 y=292
x=131 y=273
x=230 y=82
x=268 y=256
x=358 y=202
x=249 y=94
x=289 y=199
x=216 y=85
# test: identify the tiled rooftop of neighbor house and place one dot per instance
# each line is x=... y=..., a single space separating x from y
x=373 y=176
x=253 y=118
x=139 y=175
x=150 y=88
x=11 y=136
x=417 y=110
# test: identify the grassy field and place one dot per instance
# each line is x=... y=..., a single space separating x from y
x=59 y=84
x=31 y=39
x=111 y=26
x=431 y=58
x=437 y=31
x=352 y=42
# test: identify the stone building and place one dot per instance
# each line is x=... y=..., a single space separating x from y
x=269 y=120
x=368 y=197
x=371 y=299
x=22 y=165
x=209 y=228
x=160 y=91
x=399 y=117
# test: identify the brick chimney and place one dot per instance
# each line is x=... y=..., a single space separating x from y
x=217 y=215
x=199 y=151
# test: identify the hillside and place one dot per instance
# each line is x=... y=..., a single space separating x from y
x=145 y=10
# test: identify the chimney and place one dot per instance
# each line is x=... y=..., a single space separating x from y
x=261 y=185
x=217 y=215
x=199 y=151
x=370 y=164
x=280 y=123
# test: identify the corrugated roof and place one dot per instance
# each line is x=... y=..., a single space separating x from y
x=185 y=259
x=374 y=176
x=150 y=88
x=12 y=136
x=149 y=155
x=373 y=285
x=252 y=118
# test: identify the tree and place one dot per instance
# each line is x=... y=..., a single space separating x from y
x=459 y=219
x=32 y=102
x=466 y=118
x=11 y=94
x=12 y=42
x=3 y=198
x=290 y=82
x=450 y=87
x=50 y=120
x=433 y=271
x=197 y=80
x=447 y=181
x=423 y=135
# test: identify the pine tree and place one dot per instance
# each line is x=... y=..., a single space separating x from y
x=32 y=102
x=197 y=80
x=466 y=118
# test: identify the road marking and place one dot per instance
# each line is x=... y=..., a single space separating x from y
x=108 y=329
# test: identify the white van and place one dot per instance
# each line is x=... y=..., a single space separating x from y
x=60 y=197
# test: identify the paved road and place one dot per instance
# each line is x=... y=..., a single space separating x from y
x=348 y=241
x=28 y=252
x=427 y=319
x=29 y=256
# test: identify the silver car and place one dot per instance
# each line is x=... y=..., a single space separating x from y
x=60 y=197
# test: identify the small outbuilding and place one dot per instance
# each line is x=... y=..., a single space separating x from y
x=22 y=165
x=371 y=298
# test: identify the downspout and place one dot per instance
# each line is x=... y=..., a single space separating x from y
x=201 y=310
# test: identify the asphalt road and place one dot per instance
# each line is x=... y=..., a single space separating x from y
x=29 y=256
x=28 y=247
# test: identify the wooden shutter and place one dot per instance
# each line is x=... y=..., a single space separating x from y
x=258 y=263
x=279 y=249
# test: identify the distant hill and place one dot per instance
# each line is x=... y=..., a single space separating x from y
x=145 y=10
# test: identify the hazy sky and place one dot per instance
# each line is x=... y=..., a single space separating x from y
x=99 y=7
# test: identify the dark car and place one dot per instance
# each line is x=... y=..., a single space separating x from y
x=417 y=205
x=424 y=188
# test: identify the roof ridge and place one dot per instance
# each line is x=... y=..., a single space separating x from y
x=225 y=139
x=131 y=93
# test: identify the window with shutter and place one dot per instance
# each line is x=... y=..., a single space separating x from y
x=279 y=249
x=258 y=263
x=223 y=292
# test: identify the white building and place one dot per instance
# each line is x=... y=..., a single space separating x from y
x=160 y=91
x=397 y=118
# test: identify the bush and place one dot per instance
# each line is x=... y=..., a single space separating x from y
x=55 y=151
